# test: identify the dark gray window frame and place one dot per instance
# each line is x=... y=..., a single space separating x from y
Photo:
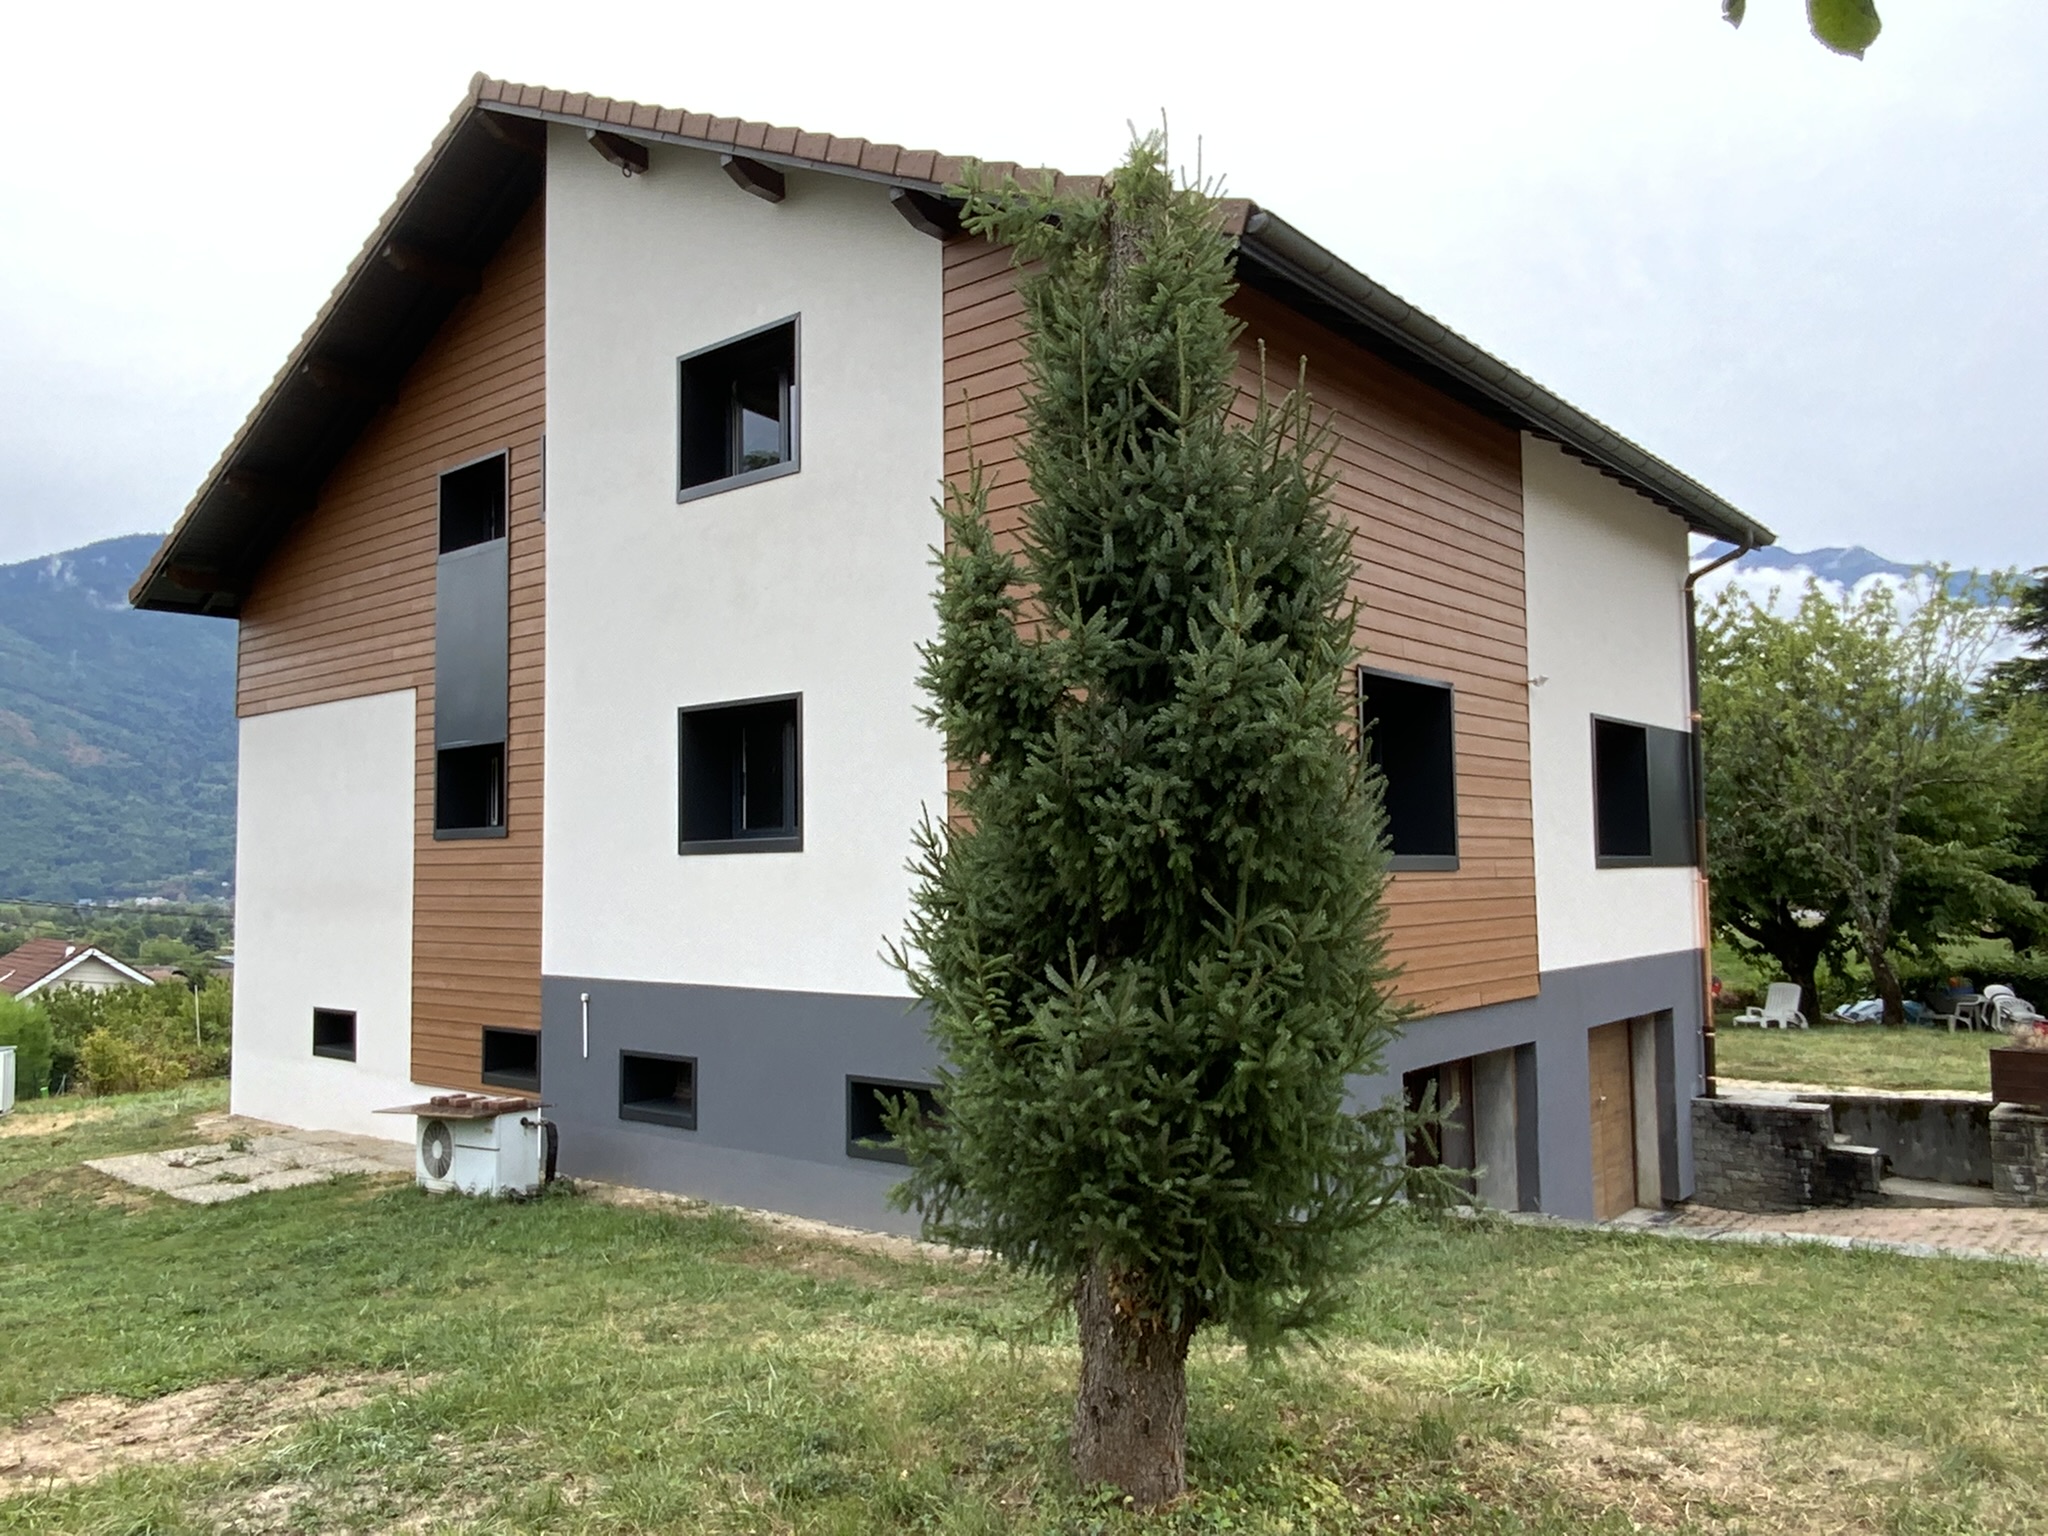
x=784 y=843
x=1671 y=846
x=674 y=1119
x=504 y=455
x=1399 y=863
x=789 y=466
x=335 y=1052
x=510 y=1080
x=464 y=834
x=889 y=1153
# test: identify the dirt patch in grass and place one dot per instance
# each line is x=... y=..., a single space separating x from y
x=1666 y=1476
x=83 y=1437
x=47 y=1122
x=73 y=1185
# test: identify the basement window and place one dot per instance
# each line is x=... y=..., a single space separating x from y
x=334 y=1033
x=868 y=1100
x=661 y=1090
x=469 y=792
x=738 y=412
x=1407 y=724
x=473 y=504
x=512 y=1059
x=741 y=769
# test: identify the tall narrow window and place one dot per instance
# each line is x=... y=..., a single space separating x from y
x=738 y=411
x=741 y=768
x=1408 y=727
x=472 y=651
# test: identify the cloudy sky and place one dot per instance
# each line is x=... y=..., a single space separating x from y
x=1815 y=284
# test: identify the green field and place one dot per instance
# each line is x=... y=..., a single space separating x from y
x=1857 y=1056
x=575 y=1365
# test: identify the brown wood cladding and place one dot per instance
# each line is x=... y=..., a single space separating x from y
x=346 y=608
x=1433 y=495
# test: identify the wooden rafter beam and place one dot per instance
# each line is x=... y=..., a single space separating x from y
x=630 y=157
x=926 y=214
x=439 y=271
x=751 y=176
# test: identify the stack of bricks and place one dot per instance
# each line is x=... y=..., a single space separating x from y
x=2019 y=1156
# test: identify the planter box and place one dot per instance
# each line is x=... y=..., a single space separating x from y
x=2019 y=1076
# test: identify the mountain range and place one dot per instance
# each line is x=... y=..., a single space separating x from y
x=117 y=728
x=117 y=735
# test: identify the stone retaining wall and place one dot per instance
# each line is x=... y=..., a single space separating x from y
x=1777 y=1153
x=2019 y=1156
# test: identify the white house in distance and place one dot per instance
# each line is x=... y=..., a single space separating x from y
x=43 y=965
x=580 y=552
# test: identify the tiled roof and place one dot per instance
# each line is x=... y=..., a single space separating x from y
x=38 y=959
x=480 y=173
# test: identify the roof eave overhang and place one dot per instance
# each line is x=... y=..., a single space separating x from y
x=1273 y=254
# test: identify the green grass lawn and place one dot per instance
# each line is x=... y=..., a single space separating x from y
x=572 y=1365
x=1857 y=1056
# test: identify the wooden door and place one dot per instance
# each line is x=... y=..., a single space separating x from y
x=1614 y=1120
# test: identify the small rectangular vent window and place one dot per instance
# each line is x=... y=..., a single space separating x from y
x=1409 y=726
x=741 y=771
x=738 y=403
x=661 y=1090
x=334 y=1033
x=867 y=1101
x=473 y=504
x=469 y=791
x=511 y=1059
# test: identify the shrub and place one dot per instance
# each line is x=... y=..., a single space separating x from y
x=156 y=1020
x=112 y=1063
x=25 y=1027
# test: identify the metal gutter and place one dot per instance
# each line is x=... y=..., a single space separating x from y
x=1272 y=242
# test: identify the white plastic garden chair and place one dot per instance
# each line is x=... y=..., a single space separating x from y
x=1781 y=1008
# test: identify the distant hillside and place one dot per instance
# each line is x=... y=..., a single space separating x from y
x=117 y=734
x=1847 y=566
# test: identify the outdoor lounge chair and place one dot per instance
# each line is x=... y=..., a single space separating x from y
x=1781 y=1007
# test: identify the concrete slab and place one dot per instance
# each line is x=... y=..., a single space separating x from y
x=252 y=1161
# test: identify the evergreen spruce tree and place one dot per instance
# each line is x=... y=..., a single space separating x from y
x=1149 y=936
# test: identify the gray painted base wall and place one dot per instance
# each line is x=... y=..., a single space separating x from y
x=772 y=1070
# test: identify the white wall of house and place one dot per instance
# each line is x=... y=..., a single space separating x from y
x=1606 y=612
x=817 y=582
x=323 y=874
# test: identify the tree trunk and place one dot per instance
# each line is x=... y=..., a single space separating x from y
x=1807 y=974
x=1888 y=990
x=1131 y=1413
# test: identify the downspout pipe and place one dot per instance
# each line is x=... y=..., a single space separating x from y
x=1699 y=812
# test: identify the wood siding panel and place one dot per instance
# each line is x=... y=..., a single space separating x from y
x=1433 y=494
x=346 y=608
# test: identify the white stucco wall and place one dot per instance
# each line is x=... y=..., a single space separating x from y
x=323 y=871
x=817 y=582
x=1606 y=570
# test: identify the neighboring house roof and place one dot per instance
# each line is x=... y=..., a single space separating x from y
x=482 y=173
x=43 y=963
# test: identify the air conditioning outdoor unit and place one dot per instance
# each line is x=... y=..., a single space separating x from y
x=480 y=1144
